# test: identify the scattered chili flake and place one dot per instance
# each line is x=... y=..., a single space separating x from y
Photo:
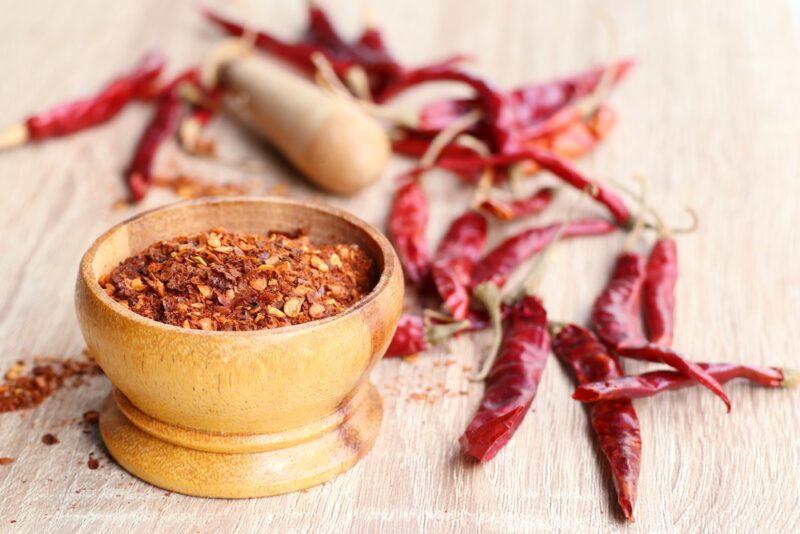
x=50 y=439
x=188 y=187
x=220 y=280
x=92 y=463
x=20 y=391
x=91 y=417
x=5 y=460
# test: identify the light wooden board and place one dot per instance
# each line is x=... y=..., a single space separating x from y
x=711 y=117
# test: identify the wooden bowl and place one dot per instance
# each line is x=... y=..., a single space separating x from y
x=239 y=414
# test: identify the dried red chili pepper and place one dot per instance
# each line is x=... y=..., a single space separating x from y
x=615 y=313
x=654 y=382
x=413 y=335
x=524 y=207
x=533 y=103
x=368 y=53
x=162 y=126
x=408 y=222
x=552 y=163
x=614 y=422
x=90 y=111
x=455 y=259
x=658 y=354
x=615 y=318
x=513 y=381
x=498 y=264
x=408 y=338
x=658 y=291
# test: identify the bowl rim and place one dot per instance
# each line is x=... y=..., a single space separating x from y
x=390 y=267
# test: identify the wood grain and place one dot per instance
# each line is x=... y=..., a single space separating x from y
x=711 y=117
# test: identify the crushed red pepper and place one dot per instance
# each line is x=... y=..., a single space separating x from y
x=20 y=391
x=220 y=280
x=92 y=463
x=50 y=439
x=91 y=417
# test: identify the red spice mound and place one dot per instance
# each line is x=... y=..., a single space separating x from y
x=20 y=391
x=219 y=280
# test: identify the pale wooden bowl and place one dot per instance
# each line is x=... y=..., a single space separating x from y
x=240 y=397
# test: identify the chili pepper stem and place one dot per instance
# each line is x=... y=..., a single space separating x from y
x=439 y=333
x=489 y=294
x=638 y=225
x=444 y=137
x=791 y=378
x=13 y=136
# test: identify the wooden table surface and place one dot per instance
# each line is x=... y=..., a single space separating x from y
x=710 y=116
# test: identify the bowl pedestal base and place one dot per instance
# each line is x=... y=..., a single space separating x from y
x=204 y=464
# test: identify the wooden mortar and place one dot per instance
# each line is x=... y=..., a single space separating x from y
x=238 y=414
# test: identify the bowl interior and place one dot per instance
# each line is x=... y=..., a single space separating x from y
x=251 y=215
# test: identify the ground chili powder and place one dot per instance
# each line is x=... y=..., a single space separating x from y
x=220 y=280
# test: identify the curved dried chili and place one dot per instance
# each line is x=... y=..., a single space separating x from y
x=498 y=264
x=658 y=291
x=369 y=52
x=615 y=313
x=524 y=207
x=654 y=382
x=658 y=354
x=513 y=381
x=408 y=222
x=614 y=422
x=455 y=259
x=413 y=335
x=163 y=125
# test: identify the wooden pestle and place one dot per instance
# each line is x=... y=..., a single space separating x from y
x=329 y=139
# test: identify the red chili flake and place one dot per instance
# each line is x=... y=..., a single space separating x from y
x=92 y=463
x=50 y=439
x=188 y=187
x=91 y=417
x=20 y=391
x=5 y=460
x=219 y=280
